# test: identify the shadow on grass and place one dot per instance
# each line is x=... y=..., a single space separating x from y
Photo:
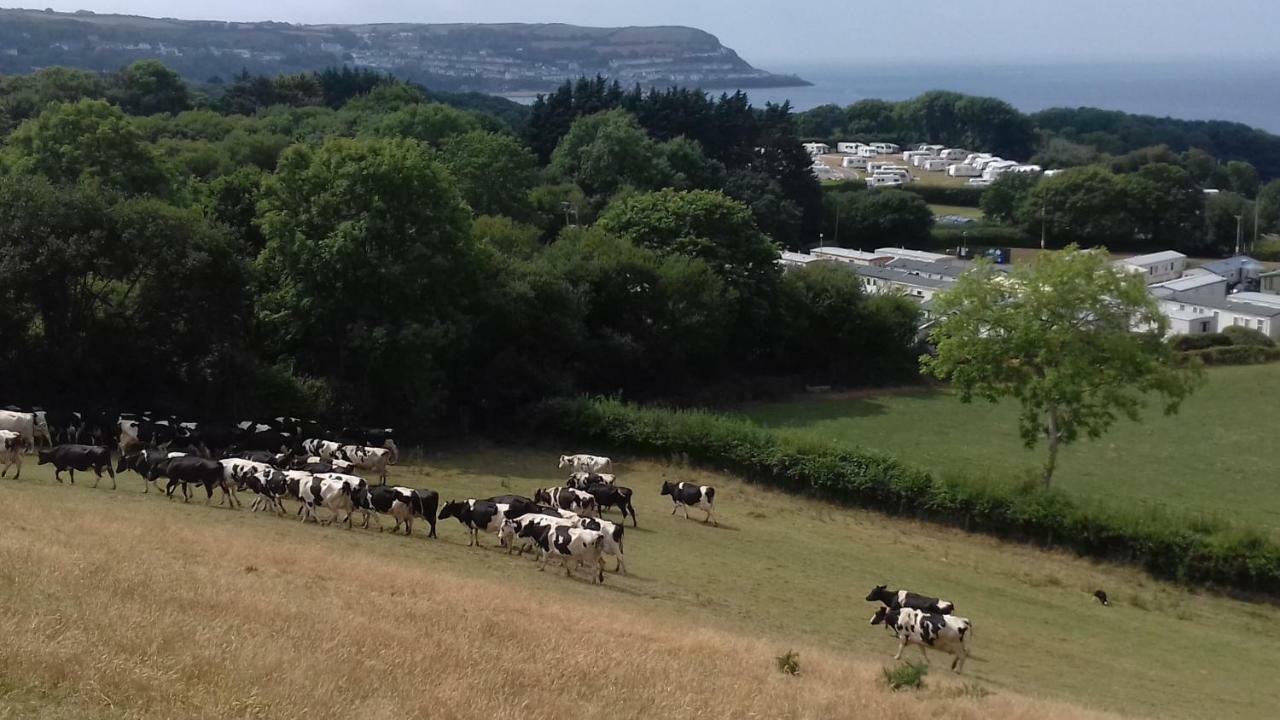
x=805 y=410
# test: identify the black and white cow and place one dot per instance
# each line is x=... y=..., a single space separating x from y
x=516 y=505
x=321 y=448
x=374 y=437
x=314 y=464
x=332 y=491
x=65 y=426
x=477 y=516
x=907 y=599
x=551 y=517
x=136 y=433
x=22 y=423
x=612 y=533
x=141 y=462
x=567 y=498
x=685 y=495
x=583 y=547
x=581 y=480
x=267 y=482
x=188 y=470
x=369 y=459
x=608 y=496
x=948 y=633
x=404 y=504
x=11 y=447
x=586 y=463
x=78 y=457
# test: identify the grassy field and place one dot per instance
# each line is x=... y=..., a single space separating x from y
x=123 y=605
x=1215 y=458
x=969 y=212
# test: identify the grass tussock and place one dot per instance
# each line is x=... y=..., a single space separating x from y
x=118 y=607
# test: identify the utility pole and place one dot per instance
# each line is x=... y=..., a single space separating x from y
x=820 y=245
x=1239 y=228
x=1257 y=202
x=1043 y=211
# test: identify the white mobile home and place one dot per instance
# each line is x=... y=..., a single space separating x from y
x=936 y=165
x=867 y=151
x=1158 y=267
x=954 y=154
x=795 y=259
x=963 y=170
x=849 y=148
x=1248 y=309
x=1204 y=285
x=815 y=148
x=886 y=148
x=851 y=161
x=882 y=280
x=855 y=257
x=885 y=180
x=996 y=169
x=919 y=255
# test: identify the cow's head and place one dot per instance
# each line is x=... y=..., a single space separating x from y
x=565 y=461
x=668 y=488
x=44 y=456
x=877 y=593
x=452 y=508
x=882 y=612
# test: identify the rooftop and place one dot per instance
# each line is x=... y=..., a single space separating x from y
x=1153 y=258
x=1232 y=303
x=846 y=253
x=913 y=254
x=1190 y=282
x=798 y=258
x=1231 y=263
x=911 y=265
x=898 y=276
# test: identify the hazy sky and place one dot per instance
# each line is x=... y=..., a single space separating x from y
x=823 y=31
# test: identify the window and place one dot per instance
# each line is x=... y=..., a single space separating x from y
x=1259 y=324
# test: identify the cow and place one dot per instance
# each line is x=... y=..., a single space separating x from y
x=137 y=433
x=78 y=457
x=608 y=496
x=264 y=457
x=566 y=498
x=64 y=426
x=21 y=423
x=141 y=462
x=332 y=491
x=684 y=495
x=517 y=505
x=373 y=460
x=476 y=515
x=11 y=446
x=546 y=516
x=270 y=440
x=404 y=504
x=323 y=449
x=1101 y=596
x=580 y=480
x=266 y=481
x=374 y=437
x=906 y=599
x=212 y=438
x=567 y=543
x=948 y=633
x=586 y=463
x=314 y=464
x=612 y=533
x=187 y=470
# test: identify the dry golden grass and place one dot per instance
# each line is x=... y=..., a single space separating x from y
x=118 y=606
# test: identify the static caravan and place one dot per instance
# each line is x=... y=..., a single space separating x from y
x=849 y=148
x=954 y=154
x=879 y=180
x=858 y=163
x=963 y=170
x=933 y=150
x=867 y=151
x=886 y=148
x=818 y=148
x=935 y=165
x=1026 y=169
x=982 y=163
x=998 y=168
x=911 y=155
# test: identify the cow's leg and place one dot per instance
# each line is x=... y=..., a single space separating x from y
x=675 y=507
x=686 y=511
x=923 y=654
x=902 y=644
x=57 y=474
x=622 y=566
x=97 y=476
x=72 y=473
x=112 y=473
x=958 y=664
x=376 y=518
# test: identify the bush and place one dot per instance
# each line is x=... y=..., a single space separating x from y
x=1167 y=547
x=947 y=195
x=905 y=676
x=1240 y=335
x=1184 y=343
x=789 y=662
x=1236 y=355
x=1268 y=249
x=982 y=235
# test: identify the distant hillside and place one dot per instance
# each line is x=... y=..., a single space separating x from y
x=489 y=58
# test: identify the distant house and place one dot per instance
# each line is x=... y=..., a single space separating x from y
x=1238 y=269
x=845 y=255
x=1270 y=282
x=1203 y=284
x=1158 y=267
x=887 y=281
x=816 y=148
x=795 y=259
x=1187 y=313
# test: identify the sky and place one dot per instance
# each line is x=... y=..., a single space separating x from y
x=816 y=32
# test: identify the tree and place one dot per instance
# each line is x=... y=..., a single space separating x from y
x=1006 y=196
x=876 y=218
x=1228 y=218
x=1085 y=205
x=1269 y=207
x=603 y=152
x=431 y=123
x=1166 y=205
x=1243 y=178
x=1059 y=336
x=494 y=172
x=88 y=140
x=369 y=270
x=148 y=87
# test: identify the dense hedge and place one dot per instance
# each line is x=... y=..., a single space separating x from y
x=977 y=234
x=1168 y=548
x=1184 y=343
x=1241 y=335
x=962 y=196
x=1236 y=355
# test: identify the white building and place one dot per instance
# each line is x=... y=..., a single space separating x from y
x=816 y=148
x=845 y=255
x=919 y=255
x=883 y=280
x=1204 y=285
x=1158 y=267
x=1190 y=314
x=849 y=148
x=795 y=259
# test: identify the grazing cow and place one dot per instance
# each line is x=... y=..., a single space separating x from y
x=608 y=496
x=313 y=464
x=374 y=437
x=517 y=505
x=258 y=456
x=332 y=491
x=566 y=498
x=685 y=495
x=476 y=515
x=1101 y=596
x=187 y=470
x=78 y=457
x=586 y=463
x=404 y=504
x=266 y=481
x=550 y=516
x=948 y=633
x=584 y=547
x=906 y=599
x=612 y=538
x=369 y=459
x=582 y=480
x=11 y=446
x=22 y=423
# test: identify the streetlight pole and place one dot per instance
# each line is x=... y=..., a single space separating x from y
x=1239 y=228
x=1044 y=204
x=820 y=245
x=1257 y=202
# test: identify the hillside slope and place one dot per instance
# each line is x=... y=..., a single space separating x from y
x=491 y=58
x=124 y=605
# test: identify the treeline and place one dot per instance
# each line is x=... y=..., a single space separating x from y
x=339 y=245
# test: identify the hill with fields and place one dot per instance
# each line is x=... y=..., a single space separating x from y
x=492 y=58
x=120 y=604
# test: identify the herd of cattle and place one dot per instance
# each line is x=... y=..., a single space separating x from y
x=291 y=458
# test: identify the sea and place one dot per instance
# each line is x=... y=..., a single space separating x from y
x=1202 y=90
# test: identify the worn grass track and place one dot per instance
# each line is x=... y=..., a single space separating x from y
x=118 y=604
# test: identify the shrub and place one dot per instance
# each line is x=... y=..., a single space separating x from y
x=789 y=662
x=1240 y=335
x=1268 y=249
x=1236 y=355
x=1166 y=546
x=943 y=195
x=905 y=676
x=979 y=235
x=1183 y=343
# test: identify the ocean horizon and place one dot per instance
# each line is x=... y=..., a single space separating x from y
x=1236 y=91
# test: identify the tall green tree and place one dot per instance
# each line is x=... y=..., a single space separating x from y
x=369 y=270
x=148 y=87
x=876 y=218
x=1077 y=342
x=603 y=152
x=494 y=172
x=1087 y=205
x=1002 y=201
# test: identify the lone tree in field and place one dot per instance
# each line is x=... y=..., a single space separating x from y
x=1076 y=341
